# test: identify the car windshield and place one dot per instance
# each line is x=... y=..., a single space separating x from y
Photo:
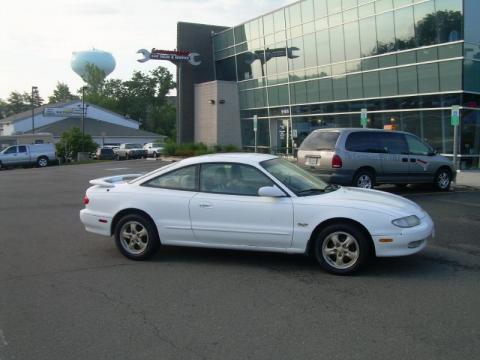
x=133 y=146
x=301 y=182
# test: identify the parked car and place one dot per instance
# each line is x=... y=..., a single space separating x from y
x=253 y=202
x=366 y=157
x=154 y=149
x=130 y=151
x=104 y=153
x=22 y=155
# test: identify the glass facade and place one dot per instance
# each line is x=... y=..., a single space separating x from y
x=317 y=63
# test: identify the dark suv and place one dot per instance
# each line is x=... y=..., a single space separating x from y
x=365 y=157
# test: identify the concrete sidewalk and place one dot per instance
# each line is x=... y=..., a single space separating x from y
x=469 y=178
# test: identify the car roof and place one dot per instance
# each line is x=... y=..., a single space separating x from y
x=352 y=129
x=246 y=158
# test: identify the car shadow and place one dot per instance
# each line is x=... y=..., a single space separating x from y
x=304 y=266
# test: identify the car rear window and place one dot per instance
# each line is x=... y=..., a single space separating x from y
x=320 y=140
x=106 y=151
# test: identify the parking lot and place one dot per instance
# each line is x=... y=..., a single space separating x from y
x=68 y=294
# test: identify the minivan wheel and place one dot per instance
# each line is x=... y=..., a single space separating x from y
x=443 y=180
x=364 y=179
x=341 y=249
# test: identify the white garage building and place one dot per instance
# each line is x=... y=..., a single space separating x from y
x=105 y=126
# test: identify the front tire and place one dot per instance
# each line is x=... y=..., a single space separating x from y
x=136 y=237
x=341 y=249
x=364 y=179
x=443 y=180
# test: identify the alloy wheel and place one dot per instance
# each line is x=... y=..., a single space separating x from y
x=134 y=237
x=341 y=250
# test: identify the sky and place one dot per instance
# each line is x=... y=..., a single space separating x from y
x=39 y=36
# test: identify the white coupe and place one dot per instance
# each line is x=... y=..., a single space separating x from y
x=253 y=202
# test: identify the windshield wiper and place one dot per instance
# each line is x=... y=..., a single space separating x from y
x=331 y=187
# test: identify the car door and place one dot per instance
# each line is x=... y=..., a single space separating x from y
x=9 y=156
x=422 y=168
x=166 y=198
x=22 y=155
x=396 y=159
x=227 y=211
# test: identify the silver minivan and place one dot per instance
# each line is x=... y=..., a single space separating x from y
x=365 y=157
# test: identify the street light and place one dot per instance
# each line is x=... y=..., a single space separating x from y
x=34 y=95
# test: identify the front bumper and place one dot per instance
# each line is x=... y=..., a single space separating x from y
x=407 y=242
x=96 y=223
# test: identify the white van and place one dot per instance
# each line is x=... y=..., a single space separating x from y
x=22 y=155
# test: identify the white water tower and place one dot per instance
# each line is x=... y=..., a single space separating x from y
x=101 y=59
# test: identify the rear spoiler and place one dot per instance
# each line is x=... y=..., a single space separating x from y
x=111 y=181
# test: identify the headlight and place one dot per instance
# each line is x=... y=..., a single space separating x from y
x=407 y=222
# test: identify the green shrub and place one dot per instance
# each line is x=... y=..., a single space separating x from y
x=192 y=149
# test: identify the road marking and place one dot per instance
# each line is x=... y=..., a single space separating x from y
x=3 y=341
x=460 y=202
x=117 y=169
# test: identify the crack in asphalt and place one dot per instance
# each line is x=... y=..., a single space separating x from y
x=29 y=276
x=142 y=315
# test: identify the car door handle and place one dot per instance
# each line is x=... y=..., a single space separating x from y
x=205 y=206
x=405 y=159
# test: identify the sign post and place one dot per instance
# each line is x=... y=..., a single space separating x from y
x=455 y=122
x=255 y=124
x=364 y=118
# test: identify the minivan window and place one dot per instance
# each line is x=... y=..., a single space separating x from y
x=395 y=143
x=320 y=140
x=365 y=141
x=418 y=147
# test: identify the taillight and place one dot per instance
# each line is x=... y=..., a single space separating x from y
x=86 y=200
x=337 y=162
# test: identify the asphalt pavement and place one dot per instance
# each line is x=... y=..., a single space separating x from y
x=68 y=294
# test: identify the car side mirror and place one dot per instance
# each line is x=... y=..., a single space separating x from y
x=270 y=191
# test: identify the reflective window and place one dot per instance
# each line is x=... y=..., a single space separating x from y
x=307 y=11
x=387 y=61
x=450 y=75
x=355 y=86
x=350 y=15
x=334 y=6
x=388 y=82
x=428 y=78
x=310 y=50
x=337 y=44
x=232 y=179
x=240 y=35
x=385 y=33
x=268 y=26
x=340 y=88
x=323 y=47
x=180 y=179
x=23 y=149
x=449 y=20
x=295 y=13
x=450 y=51
x=365 y=141
x=352 y=41
x=472 y=75
x=407 y=80
x=429 y=54
x=394 y=143
x=320 y=8
x=371 y=84
x=383 y=5
x=406 y=58
x=404 y=28
x=313 y=92
x=226 y=69
x=347 y=4
x=470 y=133
x=425 y=23
x=279 y=20
x=299 y=93
x=366 y=10
x=398 y=3
x=416 y=146
x=326 y=89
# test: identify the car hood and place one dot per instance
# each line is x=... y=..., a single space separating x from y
x=364 y=199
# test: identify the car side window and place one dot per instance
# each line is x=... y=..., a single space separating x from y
x=232 y=179
x=417 y=147
x=22 y=149
x=394 y=143
x=180 y=179
x=11 y=150
x=364 y=141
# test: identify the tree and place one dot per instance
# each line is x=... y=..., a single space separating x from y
x=61 y=94
x=143 y=97
x=70 y=143
x=18 y=103
x=4 y=111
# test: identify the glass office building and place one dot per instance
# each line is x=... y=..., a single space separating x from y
x=317 y=63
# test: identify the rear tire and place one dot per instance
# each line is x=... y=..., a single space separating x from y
x=342 y=249
x=136 y=237
x=42 y=161
x=364 y=179
x=443 y=180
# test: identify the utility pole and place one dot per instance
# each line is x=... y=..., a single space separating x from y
x=83 y=119
x=34 y=95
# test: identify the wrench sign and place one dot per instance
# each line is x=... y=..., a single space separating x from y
x=168 y=55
